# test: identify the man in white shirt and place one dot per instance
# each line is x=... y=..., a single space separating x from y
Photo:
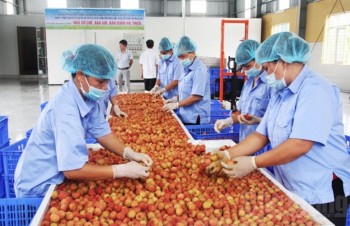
x=124 y=59
x=149 y=61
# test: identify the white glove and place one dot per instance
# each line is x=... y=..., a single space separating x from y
x=222 y=124
x=172 y=100
x=170 y=106
x=242 y=166
x=131 y=170
x=129 y=154
x=154 y=89
x=160 y=92
x=119 y=112
x=215 y=167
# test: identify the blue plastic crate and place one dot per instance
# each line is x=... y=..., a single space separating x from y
x=214 y=79
x=10 y=156
x=8 y=183
x=219 y=114
x=215 y=105
x=42 y=106
x=207 y=132
x=347 y=139
x=28 y=133
x=91 y=141
x=18 y=211
x=4 y=131
x=2 y=188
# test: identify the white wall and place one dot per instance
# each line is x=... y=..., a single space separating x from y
x=338 y=74
x=9 y=64
x=206 y=32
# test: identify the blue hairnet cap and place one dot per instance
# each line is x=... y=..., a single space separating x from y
x=165 y=44
x=285 y=46
x=92 y=60
x=185 y=45
x=246 y=51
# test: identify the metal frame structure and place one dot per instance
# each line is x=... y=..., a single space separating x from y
x=222 y=51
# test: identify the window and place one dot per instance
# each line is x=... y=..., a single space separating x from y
x=248 y=10
x=336 y=43
x=56 y=4
x=198 y=6
x=129 y=4
x=9 y=8
x=283 y=4
x=280 y=27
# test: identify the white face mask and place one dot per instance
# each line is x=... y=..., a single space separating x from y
x=273 y=82
x=253 y=72
x=93 y=94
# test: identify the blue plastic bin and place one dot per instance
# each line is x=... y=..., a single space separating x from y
x=28 y=133
x=4 y=133
x=219 y=114
x=207 y=132
x=347 y=138
x=214 y=76
x=10 y=156
x=2 y=188
x=42 y=106
x=8 y=185
x=91 y=141
x=20 y=211
x=215 y=105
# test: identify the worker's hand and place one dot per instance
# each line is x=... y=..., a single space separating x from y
x=217 y=157
x=241 y=166
x=171 y=100
x=154 y=89
x=131 y=170
x=248 y=119
x=129 y=154
x=170 y=106
x=119 y=112
x=160 y=92
x=222 y=124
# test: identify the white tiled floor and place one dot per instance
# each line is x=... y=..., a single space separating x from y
x=20 y=100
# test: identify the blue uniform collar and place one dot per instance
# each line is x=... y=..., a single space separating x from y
x=193 y=65
x=296 y=84
x=262 y=77
x=84 y=106
x=172 y=58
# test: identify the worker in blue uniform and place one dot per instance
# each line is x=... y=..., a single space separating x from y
x=56 y=148
x=303 y=122
x=170 y=70
x=110 y=96
x=193 y=101
x=255 y=94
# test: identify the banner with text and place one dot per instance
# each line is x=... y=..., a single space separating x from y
x=118 y=19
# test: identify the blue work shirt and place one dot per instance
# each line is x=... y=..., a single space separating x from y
x=110 y=93
x=195 y=81
x=57 y=142
x=253 y=101
x=168 y=71
x=309 y=108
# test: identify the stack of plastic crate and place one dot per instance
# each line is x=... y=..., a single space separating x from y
x=207 y=132
x=4 y=134
x=214 y=80
x=15 y=211
x=10 y=156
